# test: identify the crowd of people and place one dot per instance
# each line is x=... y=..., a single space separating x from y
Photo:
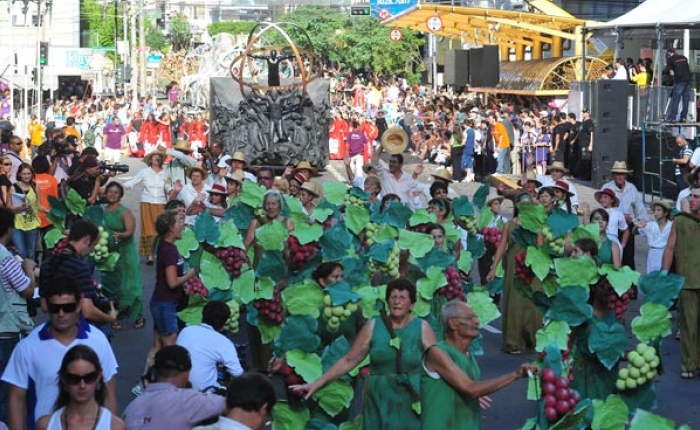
x=470 y=140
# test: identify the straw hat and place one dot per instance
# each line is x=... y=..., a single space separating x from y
x=300 y=177
x=608 y=192
x=563 y=186
x=310 y=187
x=661 y=204
x=531 y=177
x=237 y=156
x=443 y=174
x=217 y=189
x=305 y=165
x=620 y=167
x=394 y=140
x=493 y=199
x=182 y=145
x=237 y=176
x=147 y=158
x=190 y=170
x=558 y=165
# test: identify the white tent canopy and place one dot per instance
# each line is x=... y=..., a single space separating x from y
x=668 y=14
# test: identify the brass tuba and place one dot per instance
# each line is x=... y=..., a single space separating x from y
x=394 y=140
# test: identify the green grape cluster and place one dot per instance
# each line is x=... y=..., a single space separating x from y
x=101 y=251
x=351 y=200
x=555 y=244
x=232 y=321
x=391 y=267
x=469 y=224
x=371 y=230
x=643 y=364
x=336 y=315
x=259 y=212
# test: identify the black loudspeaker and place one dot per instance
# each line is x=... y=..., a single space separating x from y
x=484 y=66
x=609 y=114
x=660 y=149
x=456 y=67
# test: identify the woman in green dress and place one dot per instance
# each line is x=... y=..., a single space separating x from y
x=124 y=282
x=520 y=317
x=389 y=393
x=609 y=251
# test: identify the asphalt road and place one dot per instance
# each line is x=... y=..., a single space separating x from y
x=677 y=397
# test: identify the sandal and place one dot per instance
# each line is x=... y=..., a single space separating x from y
x=140 y=322
x=116 y=325
x=513 y=350
x=687 y=375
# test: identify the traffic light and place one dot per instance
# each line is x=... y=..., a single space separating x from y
x=127 y=73
x=33 y=74
x=44 y=53
x=360 y=10
x=120 y=74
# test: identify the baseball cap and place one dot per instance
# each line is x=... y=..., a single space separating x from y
x=173 y=357
x=90 y=161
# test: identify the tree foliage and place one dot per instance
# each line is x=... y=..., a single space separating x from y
x=358 y=43
x=231 y=27
x=155 y=39
x=180 y=35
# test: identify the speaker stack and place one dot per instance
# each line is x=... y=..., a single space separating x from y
x=457 y=67
x=477 y=67
x=609 y=114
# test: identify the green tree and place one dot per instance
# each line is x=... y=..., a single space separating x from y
x=155 y=39
x=231 y=27
x=359 y=43
x=180 y=35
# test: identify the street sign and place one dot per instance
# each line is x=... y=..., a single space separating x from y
x=434 y=23
x=153 y=61
x=383 y=14
x=395 y=34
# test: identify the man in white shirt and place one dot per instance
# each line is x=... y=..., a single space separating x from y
x=620 y=71
x=394 y=180
x=695 y=159
x=209 y=348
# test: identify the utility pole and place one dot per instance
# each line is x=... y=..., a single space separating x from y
x=134 y=55
x=142 y=52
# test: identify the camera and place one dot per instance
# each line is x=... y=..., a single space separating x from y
x=202 y=150
x=119 y=168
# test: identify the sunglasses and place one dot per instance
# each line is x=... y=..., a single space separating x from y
x=67 y=308
x=73 y=379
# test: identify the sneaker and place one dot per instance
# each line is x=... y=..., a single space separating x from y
x=137 y=390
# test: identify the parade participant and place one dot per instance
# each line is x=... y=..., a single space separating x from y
x=373 y=186
x=176 y=173
x=216 y=161
x=216 y=203
x=153 y=200
x=234 y=183
x=683 y=248
x=163 y=129
x=32 y=377
x=295 y=183
x=308 y=193
x=169 y=403
x=88 y=180
x=266 y=177
x=81 y=396
x=562 y=196
x=133 y=130
x=209 y=348
x=494 y=204
x=521 y=319
x=272 y=204
x=394 y=180
x=306 y=169
x=451 y=391
x=115 y=135
x=388 y=401
x=149 y=134
x=27 y=222
x=170 y=279
x=237 y=162
x=356 y=139
x=657 y=233
x=194 y=193
x=124 y=282
x=609 y=201
x=437 y=231
x=249 y=402
x=609 y=250
x=546 y=197
x=557 y=172
x=631 y=205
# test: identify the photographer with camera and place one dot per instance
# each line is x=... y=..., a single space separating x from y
x=70 y=261
x=89 y=179
x=215 y=161
x=59 y=154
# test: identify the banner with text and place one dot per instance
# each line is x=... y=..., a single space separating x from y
x=385 y=9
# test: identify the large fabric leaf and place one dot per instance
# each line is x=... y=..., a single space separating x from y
x=306 y=365
x=341 y=293
x=642 y=397
x=396 y=215
x=434 y=279
x=561 y=222
x=294 y=205
x=298 y=333
x=418 y=244
x=212 y=272
x=268 y=330
x=187 y=242
x=355 y=271
x=483 y=306
x=335 y=242
x=462 y=207
x=321 y=214
x=95 y=213
x=421 y=216
x=205 y=228
x=307 y=232
x=574 y=420
x=52 y=237
x=229 y=236
x=591 y=231
x=576 y=271
x=422 y=307
x=356 y=218
x=286 y=417
x=252 y=194
x=609 y=414
x=244 y=287
x=555 y=333
x=334 y=352
x=436 y=258
x=241 y=215
x=271 y=265
x=334 y=397
x=272 y=236
x=539 y=261
x=380 y=252
x=476 y=245
x=481 y=195
x=644 y=420
x=571 y=305
x=58 y=207
x=620 y=279
x=75 y=203
x=607 y=340
x=371 y=296
x=303 y=299
x=334 y=192
x=109 y=263
x=532 y=216
x=654 y=321
x=661 y=289
x=386 y=232
x=465 y=261
x=486 y=217
x=192 y=315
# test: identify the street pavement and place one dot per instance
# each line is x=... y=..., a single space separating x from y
x=677 y=397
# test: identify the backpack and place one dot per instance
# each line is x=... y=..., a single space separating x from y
x=90 y=136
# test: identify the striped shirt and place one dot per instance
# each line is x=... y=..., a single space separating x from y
x=683 y=152
x=630 y=201
x=12 y=275
x=69 y=265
